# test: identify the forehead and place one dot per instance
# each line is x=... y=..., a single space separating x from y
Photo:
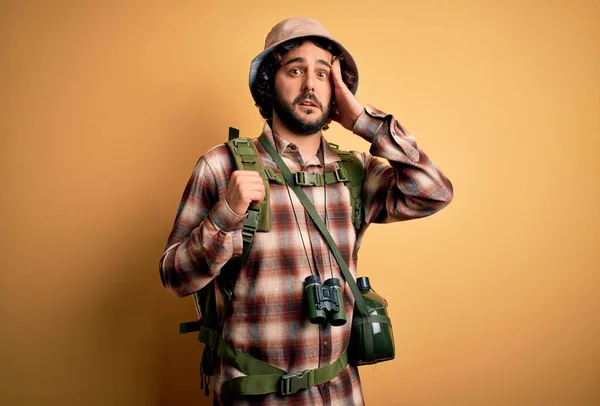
x=308 y=51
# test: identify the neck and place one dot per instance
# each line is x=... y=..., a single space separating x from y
x=307 y=144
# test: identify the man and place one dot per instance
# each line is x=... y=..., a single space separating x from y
x=301 y=81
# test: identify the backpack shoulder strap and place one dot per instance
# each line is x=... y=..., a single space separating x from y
x=356 y=177
x=245 y=156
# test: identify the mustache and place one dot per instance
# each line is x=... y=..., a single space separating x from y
x=308 y=96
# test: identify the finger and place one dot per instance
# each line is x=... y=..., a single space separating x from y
x=255 y=196
x=242 y=185
x=240 y=177
x=243 y=173
x=337 y=73
x=252 y=187
x=249 y=180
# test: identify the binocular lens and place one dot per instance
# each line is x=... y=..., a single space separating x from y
x=336 y=317
x=324 y=301
x=312 y=287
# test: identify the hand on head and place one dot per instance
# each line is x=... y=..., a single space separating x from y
x=348 y=108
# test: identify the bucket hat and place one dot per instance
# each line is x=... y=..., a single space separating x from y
x=293 y=28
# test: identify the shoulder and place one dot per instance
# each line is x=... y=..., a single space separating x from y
x=219 y=160
x=214 y=167
x=354 y=157
x=367 y=160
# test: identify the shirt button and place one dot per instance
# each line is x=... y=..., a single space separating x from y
x=325 y=344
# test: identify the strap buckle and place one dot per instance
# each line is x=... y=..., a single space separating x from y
x=341 y=175
x=250 y=224
x=357 y=214
x=292 y=383
x=243 y=149
x=239 y=141
x=270 y=174
x=273 y=176
x=308 y=179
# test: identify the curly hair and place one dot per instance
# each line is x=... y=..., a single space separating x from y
x=265 y=79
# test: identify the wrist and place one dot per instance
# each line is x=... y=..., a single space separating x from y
x=237 y=209
x=225 y=218
x=356 y=111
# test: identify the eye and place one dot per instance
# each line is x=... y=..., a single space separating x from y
x=322 y=74
x=295 y=71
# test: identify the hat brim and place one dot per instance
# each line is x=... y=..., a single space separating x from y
x=258 y=60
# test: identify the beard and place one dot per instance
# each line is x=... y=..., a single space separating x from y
x=293 y=121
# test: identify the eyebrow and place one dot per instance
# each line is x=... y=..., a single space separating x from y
x=300 y=59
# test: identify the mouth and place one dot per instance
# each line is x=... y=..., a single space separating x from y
x=308 y=103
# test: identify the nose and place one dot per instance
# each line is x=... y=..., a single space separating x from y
x=309 y=85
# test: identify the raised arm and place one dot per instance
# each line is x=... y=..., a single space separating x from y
x=408 y=185
x=205 y=236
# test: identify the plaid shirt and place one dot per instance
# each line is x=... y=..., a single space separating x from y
x=269 y=321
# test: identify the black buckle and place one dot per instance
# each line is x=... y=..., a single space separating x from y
x=292 y=383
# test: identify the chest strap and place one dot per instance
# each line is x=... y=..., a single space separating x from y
x=307 y=178
x=318 y=179
x=263 y=378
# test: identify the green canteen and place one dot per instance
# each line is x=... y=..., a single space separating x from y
x=372 y=339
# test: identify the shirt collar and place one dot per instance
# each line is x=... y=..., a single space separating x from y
x=282 y=145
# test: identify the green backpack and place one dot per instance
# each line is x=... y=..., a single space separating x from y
x=263 y=378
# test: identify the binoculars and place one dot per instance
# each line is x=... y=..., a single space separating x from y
x=324 y=301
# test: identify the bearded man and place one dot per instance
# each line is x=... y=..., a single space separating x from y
x=302 y=81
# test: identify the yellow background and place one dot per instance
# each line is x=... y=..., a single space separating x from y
x=106 y=106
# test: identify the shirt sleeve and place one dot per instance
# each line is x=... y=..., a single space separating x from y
x=409 y=185
x=205 y=236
